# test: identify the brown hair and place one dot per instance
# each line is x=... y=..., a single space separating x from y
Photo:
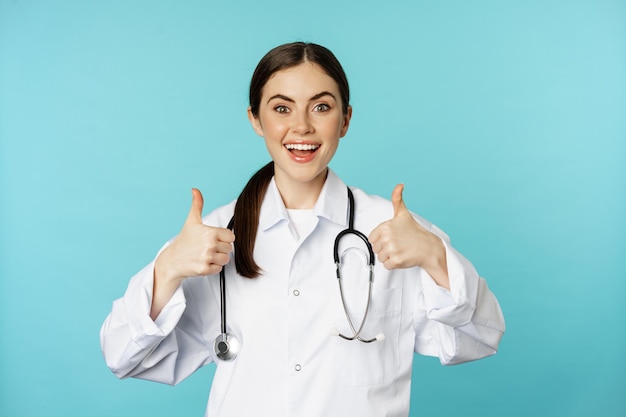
x=248 y=206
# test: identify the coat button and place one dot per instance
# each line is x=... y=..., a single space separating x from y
x=296 y=293
x=298 y=367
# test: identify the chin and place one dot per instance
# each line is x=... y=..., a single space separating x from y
x=306 y=175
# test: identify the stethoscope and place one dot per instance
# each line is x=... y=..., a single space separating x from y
x=227 y=345
x=370 y=262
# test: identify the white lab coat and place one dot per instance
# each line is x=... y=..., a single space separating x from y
x=290 y=364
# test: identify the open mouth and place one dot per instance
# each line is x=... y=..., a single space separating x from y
x=302 y=149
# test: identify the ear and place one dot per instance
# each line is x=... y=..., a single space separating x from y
x=255 y=122
x=346 y=122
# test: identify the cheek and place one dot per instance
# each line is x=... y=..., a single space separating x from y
x=274 y=128
x=336 y=127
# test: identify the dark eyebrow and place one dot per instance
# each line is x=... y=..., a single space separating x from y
x=282 y=97
x=322 y=94
x=315 y=97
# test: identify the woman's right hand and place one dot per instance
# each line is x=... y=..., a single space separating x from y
x=197 y=250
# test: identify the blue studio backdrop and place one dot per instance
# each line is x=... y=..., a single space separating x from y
x=506 y=120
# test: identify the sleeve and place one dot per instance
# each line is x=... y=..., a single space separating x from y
x=166 y=350
x=462 y=324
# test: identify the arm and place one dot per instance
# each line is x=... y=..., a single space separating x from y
x=197 y=250
x=130 y=339
x=463 y=320
x=155 y=331
x=463 y=323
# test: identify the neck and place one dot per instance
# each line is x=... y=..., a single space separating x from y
x=300 y=195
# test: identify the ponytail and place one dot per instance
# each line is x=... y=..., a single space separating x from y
x=246 y=220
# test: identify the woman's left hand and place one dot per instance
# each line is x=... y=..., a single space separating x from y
x=403 y=243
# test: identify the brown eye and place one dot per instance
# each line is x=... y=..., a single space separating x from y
x=281 y=109
x=321 y=107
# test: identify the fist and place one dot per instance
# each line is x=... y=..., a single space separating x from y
x=402 y=242
x=198 y=249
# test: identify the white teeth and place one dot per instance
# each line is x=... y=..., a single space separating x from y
x=301 y=147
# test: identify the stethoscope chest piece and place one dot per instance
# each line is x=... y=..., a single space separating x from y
x=226 y=346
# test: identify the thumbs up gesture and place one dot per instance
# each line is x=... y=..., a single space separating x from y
x=402 y=242
x=197 y=250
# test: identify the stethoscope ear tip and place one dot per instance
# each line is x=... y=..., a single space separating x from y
x=380 y=337
x=334 y=332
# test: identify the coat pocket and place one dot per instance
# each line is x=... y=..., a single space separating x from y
x=363 y=364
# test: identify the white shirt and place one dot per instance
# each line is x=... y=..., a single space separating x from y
x=290 y=364
x=303 y=221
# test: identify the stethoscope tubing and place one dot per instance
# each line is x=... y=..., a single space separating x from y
x=223 y=289
x=370 y=261
x=357 y=333
x=348 y=231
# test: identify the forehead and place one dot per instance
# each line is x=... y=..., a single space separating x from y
x=306 y=79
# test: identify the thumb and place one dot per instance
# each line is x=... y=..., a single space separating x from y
x=197 y=202
x=397 y=201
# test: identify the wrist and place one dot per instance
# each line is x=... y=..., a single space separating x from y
x=437 y=265
x=163 y=286
x=163 y=273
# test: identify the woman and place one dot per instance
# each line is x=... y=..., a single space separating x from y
x=284 y=304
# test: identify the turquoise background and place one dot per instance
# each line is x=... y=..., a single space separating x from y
x=506 y=120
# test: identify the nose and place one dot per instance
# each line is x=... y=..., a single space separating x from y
x=302 y=124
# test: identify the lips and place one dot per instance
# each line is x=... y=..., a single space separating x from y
x=302 y=152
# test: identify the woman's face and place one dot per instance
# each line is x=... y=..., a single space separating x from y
x=301 y=118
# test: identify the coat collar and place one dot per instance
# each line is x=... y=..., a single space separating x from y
x=332 y=204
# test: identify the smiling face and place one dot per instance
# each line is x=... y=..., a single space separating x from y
x=301 y=118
